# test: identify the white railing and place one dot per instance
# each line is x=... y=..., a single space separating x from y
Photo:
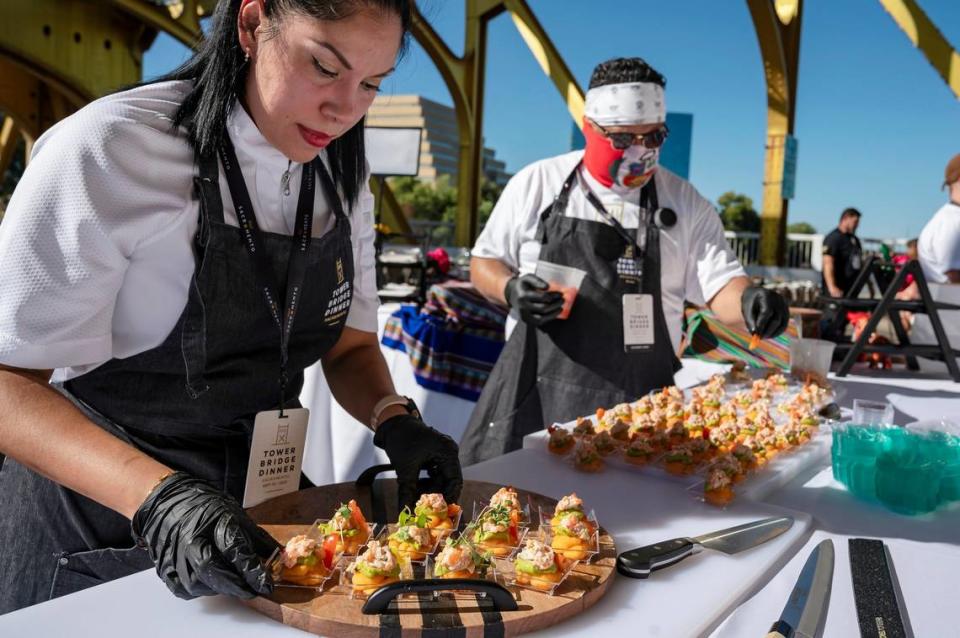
x=745 y=245
x=803 y=250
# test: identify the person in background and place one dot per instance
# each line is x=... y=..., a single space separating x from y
x=939 y=242
x=900 y=260
x=908 y=290
x=595 y=252
x=912 y=251
x=842 y=255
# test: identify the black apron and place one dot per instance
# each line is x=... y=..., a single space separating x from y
x=190 y=402
x=568 y=368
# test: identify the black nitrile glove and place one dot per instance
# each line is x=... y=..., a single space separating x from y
x=764 y=311
x=412 y=446
x=529 y=295
x=202 y=541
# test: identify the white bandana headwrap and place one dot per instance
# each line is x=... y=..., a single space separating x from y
x=626 y=104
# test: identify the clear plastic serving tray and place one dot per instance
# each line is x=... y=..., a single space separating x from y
x=756 y=481
x=413 y=556
x=547 y=583
x=315 y=578
x=497 y=549
x=440 y=533
x=572 y=549
x=347 y=568
x=786 y=463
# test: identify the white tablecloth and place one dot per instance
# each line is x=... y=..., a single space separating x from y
x=140 y=606
x=917 y=566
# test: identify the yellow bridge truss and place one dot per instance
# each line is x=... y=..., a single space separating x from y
x=57 y=55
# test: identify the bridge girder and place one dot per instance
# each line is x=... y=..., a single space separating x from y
x=57 y=55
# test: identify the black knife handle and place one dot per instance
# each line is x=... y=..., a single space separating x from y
x=780 y=629
x=639 y=562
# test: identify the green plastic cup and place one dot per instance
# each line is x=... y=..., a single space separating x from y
x=839 y=434
x=908 y=477
x=854 y=457
x=950 y=479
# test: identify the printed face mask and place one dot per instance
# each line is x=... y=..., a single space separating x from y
x=622 y=171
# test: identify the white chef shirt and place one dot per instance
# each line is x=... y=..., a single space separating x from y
x=695 y=260
x=938 y=246
x=96 y=244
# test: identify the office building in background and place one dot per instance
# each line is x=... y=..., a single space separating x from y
x=440 y=141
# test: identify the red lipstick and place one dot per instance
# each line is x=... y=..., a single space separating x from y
x=314 y=138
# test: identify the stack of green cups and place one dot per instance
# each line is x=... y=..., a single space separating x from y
x=908 y=471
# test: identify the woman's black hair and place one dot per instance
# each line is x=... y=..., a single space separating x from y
x=219 y=71
x=623 y=70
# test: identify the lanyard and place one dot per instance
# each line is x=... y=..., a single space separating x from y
x=632 y=240
x=253 y=241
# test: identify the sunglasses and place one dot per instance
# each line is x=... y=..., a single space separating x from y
x=623 y=141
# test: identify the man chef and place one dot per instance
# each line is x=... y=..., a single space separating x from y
x=623 y=239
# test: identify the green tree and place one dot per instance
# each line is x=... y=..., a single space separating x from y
x=801 y=227
x=489 y=194
x=737 y=212
x=424 y=200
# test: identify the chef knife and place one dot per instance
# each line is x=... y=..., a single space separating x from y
x=639 y=562
x=808 y=601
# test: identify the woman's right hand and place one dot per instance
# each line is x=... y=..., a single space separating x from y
x=202 y=541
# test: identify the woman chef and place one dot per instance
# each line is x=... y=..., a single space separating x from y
x=642 y=240
x=176 y=255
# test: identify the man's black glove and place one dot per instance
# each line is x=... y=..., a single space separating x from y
x=412 y=445
x=202 y=541
x=764 y=311
x=529 y=295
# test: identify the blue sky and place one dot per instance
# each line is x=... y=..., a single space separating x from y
x=875 y=123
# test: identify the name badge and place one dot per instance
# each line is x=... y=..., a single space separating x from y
x=276 y=455
x=638 y=334
x=628 y=266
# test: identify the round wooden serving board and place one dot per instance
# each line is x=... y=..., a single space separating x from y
x=333 y=613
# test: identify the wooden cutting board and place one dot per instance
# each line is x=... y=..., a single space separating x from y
x=334 y=613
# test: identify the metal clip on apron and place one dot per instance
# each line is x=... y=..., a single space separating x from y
x=568 y=368
x=189 y=403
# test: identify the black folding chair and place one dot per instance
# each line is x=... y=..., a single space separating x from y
x=889 y=306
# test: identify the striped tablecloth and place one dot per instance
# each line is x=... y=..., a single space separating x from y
x=710 y=340
x=452 y=342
